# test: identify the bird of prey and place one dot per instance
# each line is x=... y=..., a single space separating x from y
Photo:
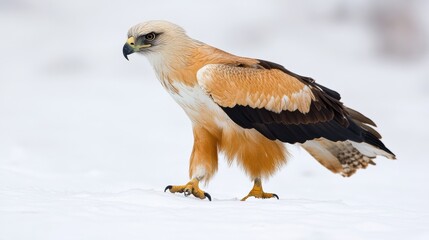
x=248 y=108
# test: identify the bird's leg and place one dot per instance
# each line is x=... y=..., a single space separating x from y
x=202 y=166
x=190 y=188
x=258 y=192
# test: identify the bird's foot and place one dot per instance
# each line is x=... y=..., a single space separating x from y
x=258 y=192
x=190 y=188
x=262 y=195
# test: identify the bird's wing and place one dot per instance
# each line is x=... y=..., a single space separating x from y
x=283 y=105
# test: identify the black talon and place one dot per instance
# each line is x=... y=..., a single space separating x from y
x=275 y=195
x=208 y=196
x=168 y=188
x=187 y=193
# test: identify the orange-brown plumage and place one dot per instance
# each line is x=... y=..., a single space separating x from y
x=257 y=155
x=246 y=108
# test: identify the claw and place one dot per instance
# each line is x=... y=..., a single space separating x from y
x=208 y=196
x=191 y=188
x=187 y=192
x=168 y=188
x=275 y=195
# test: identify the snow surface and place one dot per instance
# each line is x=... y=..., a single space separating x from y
x=88 y=141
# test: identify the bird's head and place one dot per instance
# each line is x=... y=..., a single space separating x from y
x=154 y=38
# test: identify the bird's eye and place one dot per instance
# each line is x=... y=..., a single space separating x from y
x=150 y=36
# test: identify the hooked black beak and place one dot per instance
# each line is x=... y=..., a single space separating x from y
x=127 y=50
x=129 y=47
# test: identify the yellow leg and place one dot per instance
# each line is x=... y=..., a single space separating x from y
x=258 y=192
x=190 y=188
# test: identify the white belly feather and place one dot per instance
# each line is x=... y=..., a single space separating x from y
x=198 y=105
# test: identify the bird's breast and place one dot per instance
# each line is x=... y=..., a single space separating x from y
x=198 y=105
x=203 y=111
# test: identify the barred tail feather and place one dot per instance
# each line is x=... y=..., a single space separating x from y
x=371 y=151
x=344 y=157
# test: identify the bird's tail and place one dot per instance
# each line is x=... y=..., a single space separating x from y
x=346 y=157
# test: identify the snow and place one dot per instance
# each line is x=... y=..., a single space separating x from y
x=88 y=140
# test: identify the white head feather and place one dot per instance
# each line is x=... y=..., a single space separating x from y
x=171 y=43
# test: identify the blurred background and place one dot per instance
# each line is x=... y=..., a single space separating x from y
x=75 y=115
x=88 y=140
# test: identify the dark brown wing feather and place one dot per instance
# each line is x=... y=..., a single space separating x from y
x=328 y=118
